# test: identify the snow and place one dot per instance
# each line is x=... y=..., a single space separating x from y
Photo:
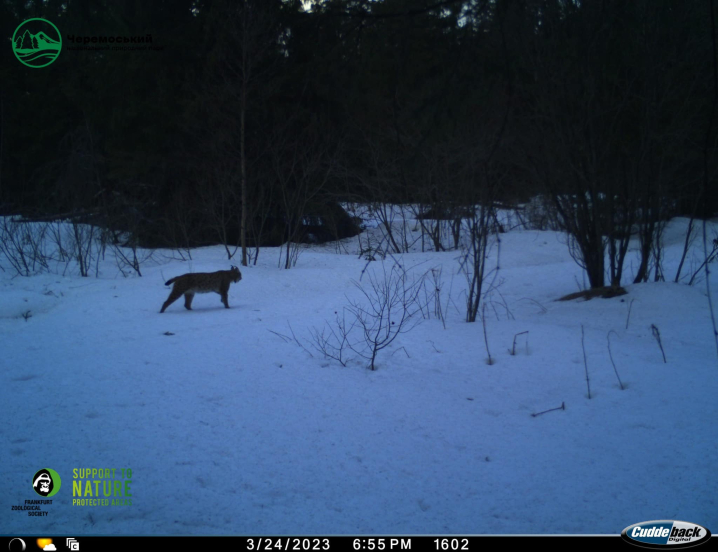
x=232 y=427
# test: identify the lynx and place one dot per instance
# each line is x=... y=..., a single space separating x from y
x=201 y=282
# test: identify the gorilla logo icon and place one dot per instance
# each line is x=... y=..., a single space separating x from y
x=46 y=482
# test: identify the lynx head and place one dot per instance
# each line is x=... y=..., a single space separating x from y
x=235 y=274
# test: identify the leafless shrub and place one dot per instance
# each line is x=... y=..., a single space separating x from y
x=129 y=255
x=512 y=351
x=393 y=230
x=562 y=407
x=333 y=341
x=436 y=282
x=83 y=246
x=372 y=249
x=657 y=337
x=57 y=236
x=32 y=247
x=610 y=355
x=585 y=362
x=474 y=252
x=23 y=245
x=390 y=307
x=540 y=214
x=543 y=310
x=709 y=258
x=490 y=361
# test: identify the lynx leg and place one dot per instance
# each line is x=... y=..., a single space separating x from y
x=188 y=300
x=171 y=299
x=223 y=289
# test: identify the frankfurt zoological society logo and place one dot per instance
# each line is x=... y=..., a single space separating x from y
x=46 y=482
x=36 y=42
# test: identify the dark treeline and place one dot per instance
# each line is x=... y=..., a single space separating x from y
x=257 y=117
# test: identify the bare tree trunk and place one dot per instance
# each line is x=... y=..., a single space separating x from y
x=243 y=164
x=1 y=142
x=242 y=150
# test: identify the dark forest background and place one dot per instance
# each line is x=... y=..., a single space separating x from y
x=258 y=117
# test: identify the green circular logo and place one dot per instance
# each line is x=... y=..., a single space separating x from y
x=46 y=482
x=36 y=42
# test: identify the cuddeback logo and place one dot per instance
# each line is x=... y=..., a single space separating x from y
x=665 y=534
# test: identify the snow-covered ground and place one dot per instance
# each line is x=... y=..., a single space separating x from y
x=232 y=426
